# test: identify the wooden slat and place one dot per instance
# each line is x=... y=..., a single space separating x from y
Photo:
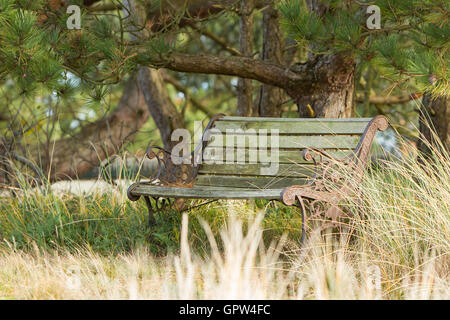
x=304 y=126
x=284 y=170
x=206 y=192
x=267 y=119
x=297 y=142
x=253 y=182
x=284 y=156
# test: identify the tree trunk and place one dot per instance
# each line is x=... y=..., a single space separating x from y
x=434 y=123
x=245 y=90
x=164 y=113
x=332 y=96
x=74 y=156
x=270 y=97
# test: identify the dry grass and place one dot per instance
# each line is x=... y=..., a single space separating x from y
x=244 y=270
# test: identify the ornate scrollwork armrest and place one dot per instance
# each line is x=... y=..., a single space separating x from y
x=168 y=173
x=180 y=173
x=323 y=161
x=312 y=154
x=161 y=156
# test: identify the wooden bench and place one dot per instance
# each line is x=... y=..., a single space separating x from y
x=309 y=151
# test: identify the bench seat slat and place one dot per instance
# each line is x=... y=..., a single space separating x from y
x=206 y=192
x=284 y=170
x=285 y=156
x=291 y=142
x=297 y=127
x=266 y=119
x=253 y=182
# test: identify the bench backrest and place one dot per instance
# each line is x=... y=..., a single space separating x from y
x=339 y=137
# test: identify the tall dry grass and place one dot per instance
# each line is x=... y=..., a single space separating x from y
x=245 y=269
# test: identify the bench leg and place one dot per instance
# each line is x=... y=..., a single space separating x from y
x=331 y=213
x=302 y=212
x=151 y=212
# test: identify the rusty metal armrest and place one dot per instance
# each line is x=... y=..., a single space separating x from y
x=321 y=159
x=170 y=174
x=316 y=195
x=327 y=168
x=322 y=195
x=324 y=170
x=329 y=185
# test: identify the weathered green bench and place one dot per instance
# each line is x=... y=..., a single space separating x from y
x=309 y=151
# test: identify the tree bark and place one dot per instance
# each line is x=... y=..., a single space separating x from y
x=434 y=123
x=244 y=88
x=161 y=108
x=74 y=156
x=270 y=97
x=332 y=96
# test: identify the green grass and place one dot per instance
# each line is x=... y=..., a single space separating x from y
x=108 y=224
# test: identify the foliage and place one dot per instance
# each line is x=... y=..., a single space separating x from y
x=410 y=49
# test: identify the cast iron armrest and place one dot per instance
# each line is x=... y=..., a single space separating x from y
x=180 y=174
x=324 y=170
x=308 y=155
x=323 y=161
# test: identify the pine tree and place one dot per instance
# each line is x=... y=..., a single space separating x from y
x=320 y=56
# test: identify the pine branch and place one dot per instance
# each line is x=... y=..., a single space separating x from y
x=194 y=101
x=221 y=42
x=298 y=80
x=106 y=7
x=244 y=67
x=390 y=100
x=75 y=155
